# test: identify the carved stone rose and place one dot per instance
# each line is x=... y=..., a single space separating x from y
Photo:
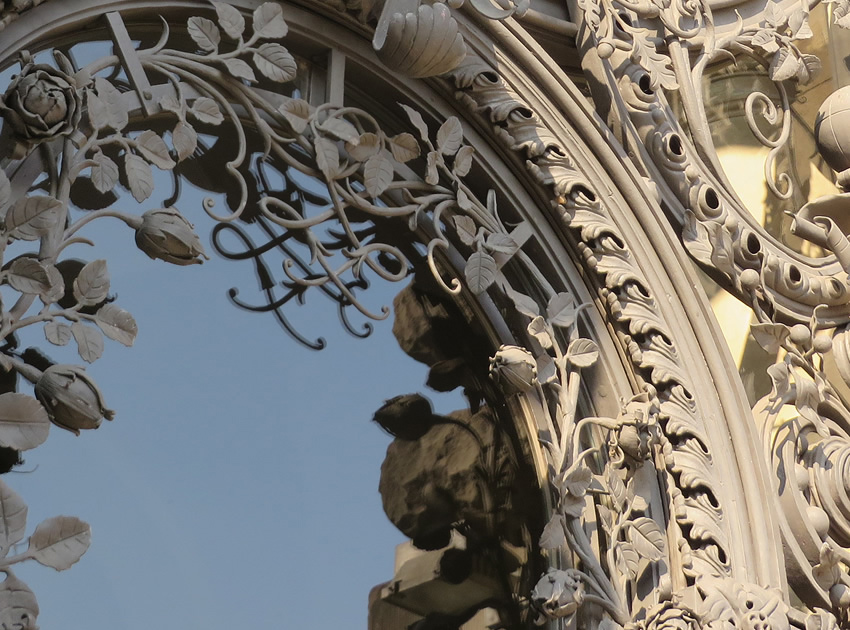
x=41 y=103
x=669 y=616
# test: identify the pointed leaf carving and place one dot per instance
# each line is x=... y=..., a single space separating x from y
x=31 y=217
x=377 y=174
x=449 y=136
x=117 y=324
x=96 y=109
x=327 y=157
x=616 y=488
x=104 y=172
x=502 y=243
x=341 y=129
x=205 y=33
x=463 y=161
x=465 y=227
x=553 y=536
x=269 y=22
x=416 y=118
x=230 y=20
x=774 y=15
x=367 y=145
x=185 y=140
x=240 y=69
x=770 y=336
x=274 y=61
x=207 y=111
x=139 y=177
x=810 y=67
x=57 y=333
x=561 y=310
x=116 y=109
x=13 y=518
x=647 y=538
x=524 y=304
x=28 y=275
x=170 y=104
x=59 y=542
x=480 y=272
x=92 y=284
x=798 y=22
x=766 y=41
x=153 y=147
x=582 y=353
x=18 y=606
x=89 y=341
x=627 y=559
x=404 y=147
x=24 y=423
x=784 y=66
x=297 y=114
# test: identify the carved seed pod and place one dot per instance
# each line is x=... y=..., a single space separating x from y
x=420 y=43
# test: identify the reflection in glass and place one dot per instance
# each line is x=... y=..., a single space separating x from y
x=764 y=190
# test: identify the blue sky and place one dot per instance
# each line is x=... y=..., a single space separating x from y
x=237 y=486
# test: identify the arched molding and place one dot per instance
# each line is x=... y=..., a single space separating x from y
x=599 y=232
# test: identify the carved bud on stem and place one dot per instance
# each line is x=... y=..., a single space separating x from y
x=165 y=234
x=514 y=368
x=72 y=399
x=558 y=593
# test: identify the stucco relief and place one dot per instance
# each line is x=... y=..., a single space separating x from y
x=646 y=479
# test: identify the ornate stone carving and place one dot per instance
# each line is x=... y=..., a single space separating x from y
x=647 y=476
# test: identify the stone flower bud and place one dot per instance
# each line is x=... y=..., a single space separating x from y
x=71 y=398
x=634 y=441
x=41 y=103
x=164 y=233
x=514 y=367
x=558 y=593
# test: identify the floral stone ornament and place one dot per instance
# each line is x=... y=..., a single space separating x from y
x=41 y=103
x=72 y=399
x=165 y=234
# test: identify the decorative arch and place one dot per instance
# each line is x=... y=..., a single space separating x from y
x=562 y=226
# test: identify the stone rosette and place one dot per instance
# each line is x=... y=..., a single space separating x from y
x=41 y=104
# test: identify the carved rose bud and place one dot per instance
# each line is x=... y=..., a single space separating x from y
x=41 y=103
x=669 y=616
x=165 y=234
x=634 y=441
x=72 y=399
x=514 y=368
x=558 y=593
